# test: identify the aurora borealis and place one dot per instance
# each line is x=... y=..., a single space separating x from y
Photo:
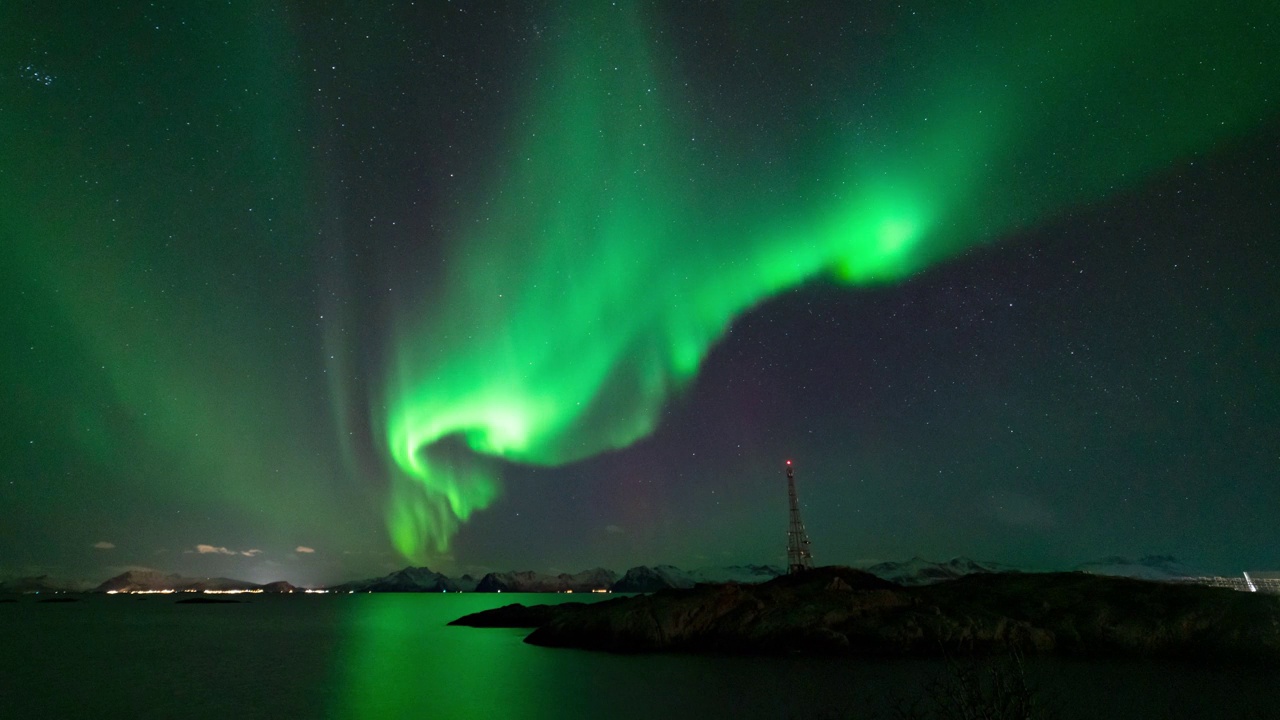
x=560 y=284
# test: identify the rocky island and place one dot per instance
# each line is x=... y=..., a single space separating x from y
x=845 y=611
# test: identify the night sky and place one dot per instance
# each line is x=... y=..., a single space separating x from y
x=312 y=291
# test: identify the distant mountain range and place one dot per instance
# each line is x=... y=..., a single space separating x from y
x=1151 y=567
x=423 y=579
x=529 y=581
x=918 y=571
x=652 y=579
x=645 y=578
x=641 y=579
x=154 y=581
x=410 y=579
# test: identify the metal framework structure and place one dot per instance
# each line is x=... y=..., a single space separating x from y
x=799 y=557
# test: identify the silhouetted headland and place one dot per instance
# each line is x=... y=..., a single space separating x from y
x=846 y=611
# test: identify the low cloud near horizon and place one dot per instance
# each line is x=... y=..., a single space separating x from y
x=217 y=549
x=304 y=549
x=104 y=545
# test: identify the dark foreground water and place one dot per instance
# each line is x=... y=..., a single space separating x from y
x=391 y=656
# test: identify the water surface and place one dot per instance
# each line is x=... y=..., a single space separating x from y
x=392 y=655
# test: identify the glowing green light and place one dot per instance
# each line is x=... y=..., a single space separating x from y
x=612 y=253
x=895 y=237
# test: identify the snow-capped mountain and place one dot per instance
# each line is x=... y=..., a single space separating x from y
x=652 y=579
x=918 y=571
x=736 y=573
x=530 y=581
x=410 y=579
x=659 y=577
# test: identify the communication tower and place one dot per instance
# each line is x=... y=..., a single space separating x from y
x=798 y=556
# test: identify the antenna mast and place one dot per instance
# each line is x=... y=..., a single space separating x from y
x=798 y=556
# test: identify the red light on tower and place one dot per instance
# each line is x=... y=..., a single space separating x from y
x=788 y=462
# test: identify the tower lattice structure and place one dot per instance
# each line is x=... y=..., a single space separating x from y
x=798 y=555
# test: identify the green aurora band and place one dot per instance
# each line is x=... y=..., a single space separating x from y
x=621 y=235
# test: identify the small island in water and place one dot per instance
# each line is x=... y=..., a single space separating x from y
x=839 y=610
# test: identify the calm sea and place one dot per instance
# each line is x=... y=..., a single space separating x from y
x=392 y=656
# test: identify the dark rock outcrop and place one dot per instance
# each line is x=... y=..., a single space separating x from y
x=840 y=610
x=516 y=616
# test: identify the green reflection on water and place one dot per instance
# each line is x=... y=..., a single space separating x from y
x=401 y=659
